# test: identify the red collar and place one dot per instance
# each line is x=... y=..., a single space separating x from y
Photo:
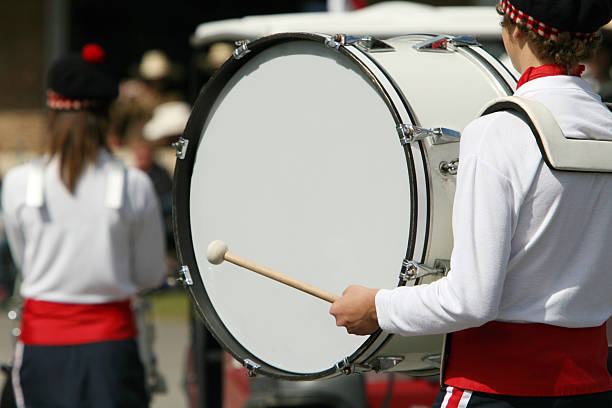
x=547 y=70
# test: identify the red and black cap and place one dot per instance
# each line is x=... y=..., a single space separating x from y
x=580 y=18
x=79 y=82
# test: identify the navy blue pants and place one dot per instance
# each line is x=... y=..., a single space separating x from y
x=96 y=375
x=454 y=398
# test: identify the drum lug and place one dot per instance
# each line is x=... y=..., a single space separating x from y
x=385 y=363
x=367 y=43
x=347 y=368
x=411 y=133
x=412 y=270
x=184 y=276
x=434 y=359
x=181 y=147
x=242 y=50
x=251 y=367
x=441 y=43
x=449 y=168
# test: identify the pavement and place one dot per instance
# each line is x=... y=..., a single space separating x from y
x=170 y=346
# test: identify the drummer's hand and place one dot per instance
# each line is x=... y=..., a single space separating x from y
x=356 y=310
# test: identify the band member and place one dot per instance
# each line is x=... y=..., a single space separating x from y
x=86 y=233
x=529 y=291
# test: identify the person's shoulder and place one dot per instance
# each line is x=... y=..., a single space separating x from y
x=497 y=130
x=14 y=184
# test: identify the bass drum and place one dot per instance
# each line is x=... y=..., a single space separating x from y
x=292 y=156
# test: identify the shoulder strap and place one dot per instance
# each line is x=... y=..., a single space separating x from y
x=114 y=184
x=558 y=152
x=35 y=185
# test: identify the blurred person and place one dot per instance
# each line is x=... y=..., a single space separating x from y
x=528 y=294
x=599 y=68
x=87 y=235
x=143 y=153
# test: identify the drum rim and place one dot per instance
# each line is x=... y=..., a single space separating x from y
x=182 y=185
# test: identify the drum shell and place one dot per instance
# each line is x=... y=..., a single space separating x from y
x=388 y=72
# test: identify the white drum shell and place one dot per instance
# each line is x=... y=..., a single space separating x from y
x=299 y=167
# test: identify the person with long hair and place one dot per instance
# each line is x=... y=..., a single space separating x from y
x=86 y=233
x=528 y=293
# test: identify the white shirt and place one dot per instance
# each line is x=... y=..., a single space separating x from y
x=530 y=244
x=75 y=249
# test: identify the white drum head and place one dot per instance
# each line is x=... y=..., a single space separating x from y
x=299 y=168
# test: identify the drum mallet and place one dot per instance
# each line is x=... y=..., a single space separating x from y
x=217 y=252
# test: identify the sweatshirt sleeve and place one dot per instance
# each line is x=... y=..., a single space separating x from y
x=10 y=217
x=148 y=246
x=469 y=296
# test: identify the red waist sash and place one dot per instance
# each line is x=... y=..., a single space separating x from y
x=529 y=360
x=53 y=324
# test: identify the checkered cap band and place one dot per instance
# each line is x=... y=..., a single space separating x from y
x=542 y=29
x=58 y=102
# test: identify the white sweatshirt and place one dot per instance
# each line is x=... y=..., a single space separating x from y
x=530 y=244
x=75 y=249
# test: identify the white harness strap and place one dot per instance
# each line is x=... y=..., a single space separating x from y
x=114 y=184
x=558 y=152
x=34 y=188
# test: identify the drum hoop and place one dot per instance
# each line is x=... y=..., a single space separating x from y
x=182 y=186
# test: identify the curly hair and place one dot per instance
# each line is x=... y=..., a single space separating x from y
x=565 y=50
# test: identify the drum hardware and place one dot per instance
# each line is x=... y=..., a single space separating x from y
x=251 y=367
x=441 y=42
x=384 y=363
x=181 y=147
x=412 y=270
x=435 y=359
x=449 y=168
x=184 y=276
x=242 y=49
x=343 y=366
x=367 y=43
x=411 y=133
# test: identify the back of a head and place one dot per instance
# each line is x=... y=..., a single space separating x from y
x=564 y=32
x=78 y=96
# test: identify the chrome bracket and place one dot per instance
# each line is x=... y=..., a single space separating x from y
x=367 y=43
x=251 y=367
x=181 y=147
x=347 y=368
x=412 y=270
x=445 y=43
x=434 y=359
x=384 y=363
x=184 y=276
x=242 y=50
x=449 y=168
x=411 y=133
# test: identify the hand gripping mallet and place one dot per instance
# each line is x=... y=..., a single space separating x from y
x=217 y=252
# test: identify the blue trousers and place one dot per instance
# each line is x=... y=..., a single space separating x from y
x=96 y=375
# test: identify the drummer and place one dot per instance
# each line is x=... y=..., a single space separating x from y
x=529 y=291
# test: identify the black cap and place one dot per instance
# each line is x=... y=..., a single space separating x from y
x=577 y=16
x=81 y=78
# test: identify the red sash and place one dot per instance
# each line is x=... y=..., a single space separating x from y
x=53 y=324
x=529 y=360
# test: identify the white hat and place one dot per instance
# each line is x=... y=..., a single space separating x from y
x=169 y=119
x=154 y=65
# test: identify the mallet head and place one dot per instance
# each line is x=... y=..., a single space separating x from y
x=216 y=251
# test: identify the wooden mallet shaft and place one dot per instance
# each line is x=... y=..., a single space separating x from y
x=217 y=252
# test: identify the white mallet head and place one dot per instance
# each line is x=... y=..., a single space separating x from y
x=216 y=251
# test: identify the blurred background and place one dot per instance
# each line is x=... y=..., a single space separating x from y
x=163 y=60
